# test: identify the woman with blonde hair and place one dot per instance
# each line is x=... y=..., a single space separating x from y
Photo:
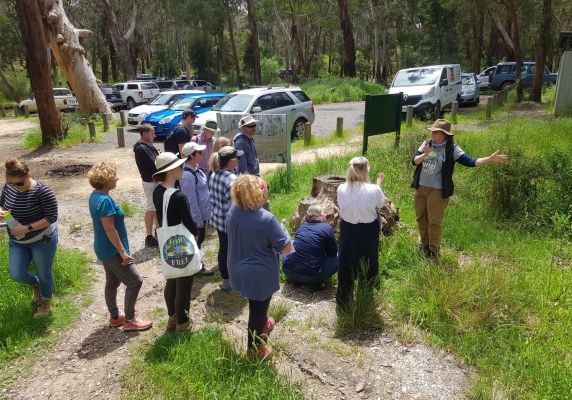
x=255 y=239
x=218 y=144
x=358 y=201
x=112 y=248
x=32 y=228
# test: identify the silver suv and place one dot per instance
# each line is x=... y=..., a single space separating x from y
x=291 y=101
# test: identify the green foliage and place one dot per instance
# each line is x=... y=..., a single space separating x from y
x=278 y=310
x=165 y=64
x=203 y=365
x=269 y=67
x=127 y=208
x=19 y=331
x=336 y=90
x=21 y=85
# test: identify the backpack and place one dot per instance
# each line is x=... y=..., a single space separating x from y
x=170 y=144
x=192 y=171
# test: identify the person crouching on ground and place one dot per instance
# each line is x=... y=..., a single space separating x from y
x=178 y=290
x=112 y=248
x=316 y=256
x=33 y=234
x=255 y=239
x=433 y=181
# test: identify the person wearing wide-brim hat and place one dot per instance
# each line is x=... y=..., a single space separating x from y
x=433 y=181
x=178 y=290
x=243 y=140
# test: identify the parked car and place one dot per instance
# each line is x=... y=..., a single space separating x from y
x=112 y=96
x=291 y=101
x=182 y=83
x=166 y=84
x=428 y=89
x=65 y=101
x=145 y=77
x=165 y=120
x=483 y=77
x=162 y=101
x=134 y=93
x=470 y=91
x=200 y=84
x=505 y=75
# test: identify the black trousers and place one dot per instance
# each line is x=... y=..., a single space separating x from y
x=257 y=316
x=178 y=297
x=358 y=258
x=222 y=254
x=202 y=234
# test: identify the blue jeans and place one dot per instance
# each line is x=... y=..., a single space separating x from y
x=42 y=253
x=329 y=268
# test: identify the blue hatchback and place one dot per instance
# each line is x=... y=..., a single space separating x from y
x=165 y=121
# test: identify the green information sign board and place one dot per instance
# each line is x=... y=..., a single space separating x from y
x=382 y=115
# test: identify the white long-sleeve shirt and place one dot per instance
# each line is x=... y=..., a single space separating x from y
x=358 y=202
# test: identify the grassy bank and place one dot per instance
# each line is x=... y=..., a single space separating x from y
x=337 y=90
x=500 y=297
x=20 y=333
x=202 y=365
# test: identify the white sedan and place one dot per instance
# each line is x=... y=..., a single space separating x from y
x=162 y=101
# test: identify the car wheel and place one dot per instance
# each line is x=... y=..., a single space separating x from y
x=437 y=110
x=22 y=110
x=506 y=84
x=298 y=128
x=478 y=100
x=131 y=103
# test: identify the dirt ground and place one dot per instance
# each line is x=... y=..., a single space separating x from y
x=87 y=360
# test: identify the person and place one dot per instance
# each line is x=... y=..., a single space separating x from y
x=32 y=230
x=177 y=291
x=182 y=133
x=111 y=247
x=255 y=240
x=194 y=186
x=358 y=201
x=316 y=256
x=433 y=181
x=218 y=144
x=243 y=141
x=221 y=180
x=145 y=155
x=206 y=138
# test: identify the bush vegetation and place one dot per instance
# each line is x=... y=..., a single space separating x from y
x=337 y=90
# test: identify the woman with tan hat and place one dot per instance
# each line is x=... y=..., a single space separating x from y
x=177 y=291
x=433 y=181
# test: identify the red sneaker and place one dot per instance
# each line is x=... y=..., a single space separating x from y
x=115 y=322
x=137 y=325
x=265 y=352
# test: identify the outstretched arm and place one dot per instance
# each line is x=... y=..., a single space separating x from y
x=494 y=158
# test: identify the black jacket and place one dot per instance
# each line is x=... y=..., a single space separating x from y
x=145 y=155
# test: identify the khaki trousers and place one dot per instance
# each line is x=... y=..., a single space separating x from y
x=430 y=209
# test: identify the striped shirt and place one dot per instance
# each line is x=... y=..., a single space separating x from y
x=30 y=206
x=220 y=185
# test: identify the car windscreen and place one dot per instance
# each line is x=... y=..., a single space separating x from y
x=467 y=80
x=233 y=103
x=417 y=77
x=148 y=86
x=162 y=99
x=183 y=103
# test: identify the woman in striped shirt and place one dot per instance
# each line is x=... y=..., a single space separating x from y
x=33 y=232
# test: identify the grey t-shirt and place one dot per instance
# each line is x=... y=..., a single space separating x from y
x=433 y=164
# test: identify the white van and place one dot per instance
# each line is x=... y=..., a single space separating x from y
x=428 y=89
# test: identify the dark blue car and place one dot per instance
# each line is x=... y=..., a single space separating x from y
x=165 y=120
x=504 y=75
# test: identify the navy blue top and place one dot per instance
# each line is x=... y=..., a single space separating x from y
x=179 y=135
x=248 y=163
x=314 y=242
x=255 y=239
x=102 y=205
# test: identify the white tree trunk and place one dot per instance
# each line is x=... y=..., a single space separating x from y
x=63 y=39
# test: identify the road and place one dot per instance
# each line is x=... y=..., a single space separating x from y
x=326 y=115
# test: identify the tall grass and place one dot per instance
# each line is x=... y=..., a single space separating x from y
x=203 y=365
x=500 y=296
x=337 y=90
x=19 y=331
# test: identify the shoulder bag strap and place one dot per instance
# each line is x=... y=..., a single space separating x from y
x=166 y=198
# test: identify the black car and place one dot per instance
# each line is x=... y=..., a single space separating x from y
x=112 y=96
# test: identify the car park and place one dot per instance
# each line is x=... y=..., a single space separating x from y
x=504 y=75
x=291 y=101
x=470 y=90
x=65 y=101
x=145 y=77
x=165 y=120
x=483 y=77
x=162 y=101
x=428 y=89
x=200 y=84
x=166 y=84
x=134 y=92
x=112 y=96
x=181 y=83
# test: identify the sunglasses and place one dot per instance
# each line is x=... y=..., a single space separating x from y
x=197 y=152
x=19 y=184
x=250 y=126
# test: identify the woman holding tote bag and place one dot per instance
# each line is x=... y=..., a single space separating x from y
x=177 y=290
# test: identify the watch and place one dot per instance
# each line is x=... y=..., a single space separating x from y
x=30 y=228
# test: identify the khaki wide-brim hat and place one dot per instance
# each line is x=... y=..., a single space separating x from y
x=166 y=162
x=441 y=125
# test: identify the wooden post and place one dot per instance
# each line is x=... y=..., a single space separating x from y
x=15 y=108
x=26 y=112
x=2 y=111
x=91 y=127
x=339 y=127
x=454 y=111
x=123 y=118
x=489 y=110
x=120 y=137
x=409 y=116
x=307 y=133
x=496 y=102
x=105 y=117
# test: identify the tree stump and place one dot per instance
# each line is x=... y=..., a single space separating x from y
x=324 y=192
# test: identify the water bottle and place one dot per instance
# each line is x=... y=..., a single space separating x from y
x=12 y=223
